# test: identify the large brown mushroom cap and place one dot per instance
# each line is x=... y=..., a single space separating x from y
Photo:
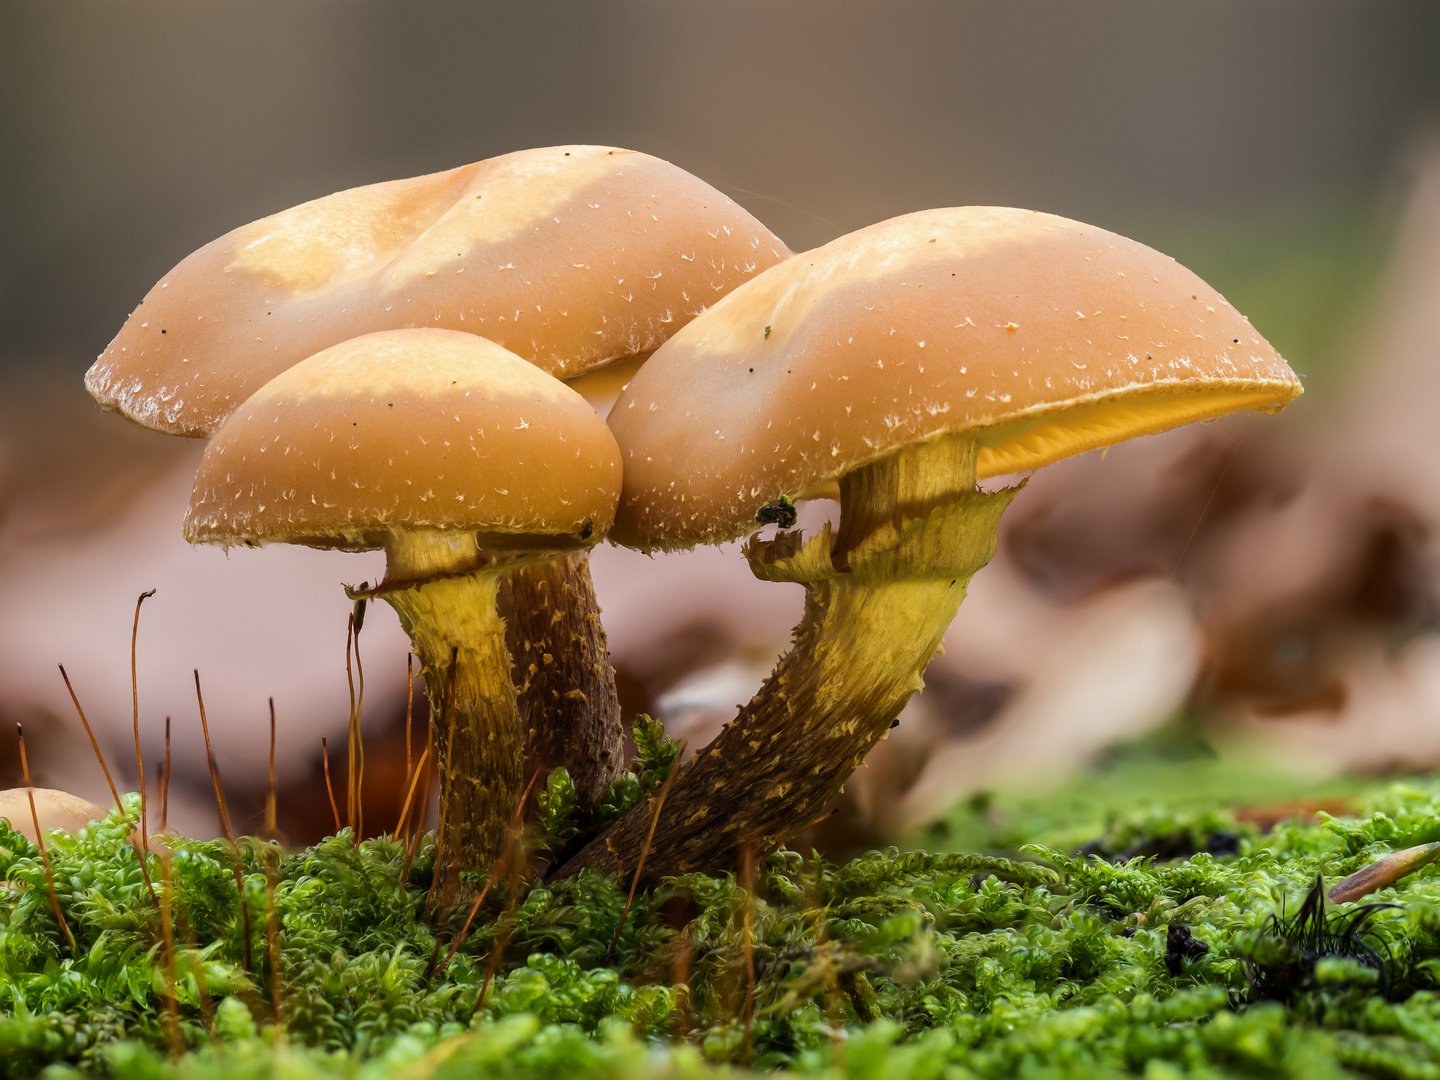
x=1040 y=336
x=56 y=809
x=570 y=256
x=409 y=430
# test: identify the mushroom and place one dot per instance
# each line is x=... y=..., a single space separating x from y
x=54 y=808
x=894 y=367
x=459 y=460
x=573 y=257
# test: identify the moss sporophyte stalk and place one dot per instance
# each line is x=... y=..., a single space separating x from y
x=898 y=963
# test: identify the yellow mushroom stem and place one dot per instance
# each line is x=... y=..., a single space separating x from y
x=443 y=587
x=913 y=530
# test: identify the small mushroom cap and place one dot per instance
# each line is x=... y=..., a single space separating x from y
x=56 y=809
x=1042 y=337
x=570 y=256
x=409 y=430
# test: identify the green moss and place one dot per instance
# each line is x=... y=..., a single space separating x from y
x=1028 y=960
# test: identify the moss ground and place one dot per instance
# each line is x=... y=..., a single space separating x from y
x=990 y=949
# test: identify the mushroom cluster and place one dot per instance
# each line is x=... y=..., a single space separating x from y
x=893 y=367
x=381 y=369
x=577 y=259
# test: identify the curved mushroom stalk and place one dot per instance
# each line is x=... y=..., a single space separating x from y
x=564 y=682
x=913 y=531
x=460 y=639
x=443 y=586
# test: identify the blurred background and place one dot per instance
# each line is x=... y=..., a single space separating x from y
x=1264 y=589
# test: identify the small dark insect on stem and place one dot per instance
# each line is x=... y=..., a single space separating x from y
x=135 y=699
x=325 y=757
x=225 y=823
x=165 y=781
x=781 y=512
x=270 y=792
x=645 y=849
x=40 y=843
x=93 y=744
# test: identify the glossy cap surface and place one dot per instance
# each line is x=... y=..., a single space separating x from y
x=408 y=430
x=1039 y=336
x=569 y=256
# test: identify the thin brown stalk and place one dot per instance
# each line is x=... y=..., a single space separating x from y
x=645 y=850
x=409 y=710
x=225 y=823
x=422 y=811
x=135 y=699
x=680 y=980
x=450 y=744
x=93 y=744
x=167 y=933
x=511 y=851
x=507 y=924
x=747 y=931
x=359 y=729
x=1384 y=872
x=325 y=757
x=270 y=792
x=350 y=732
x=414 y=780
x=165 y=781
x=40 y=843
x=202 y=985
x=144 y=870
x=464 y=930
x=272 y=943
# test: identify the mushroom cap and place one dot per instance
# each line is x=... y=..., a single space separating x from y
x=56 y=809
x=1039 y=336
x=570 y=256
x=409 y=430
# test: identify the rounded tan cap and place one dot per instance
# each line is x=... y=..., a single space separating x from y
x=1041 y=336
x=54 y=808
x=408 y=430
x=570 y=256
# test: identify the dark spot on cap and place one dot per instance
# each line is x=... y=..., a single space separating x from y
x=589 y=526
x=162 y=331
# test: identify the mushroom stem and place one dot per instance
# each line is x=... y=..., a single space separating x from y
x=565 y=684
x=473 y=714
x=913 y=530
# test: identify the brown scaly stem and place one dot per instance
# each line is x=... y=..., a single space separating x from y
x=565 y=685
x=913 y=530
